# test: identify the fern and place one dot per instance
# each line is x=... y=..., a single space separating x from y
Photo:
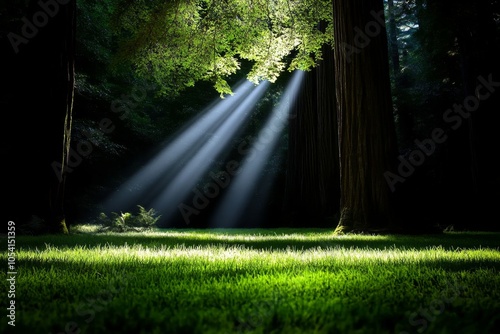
x=124 y=222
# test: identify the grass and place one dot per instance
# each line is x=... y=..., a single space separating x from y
x=255 y=281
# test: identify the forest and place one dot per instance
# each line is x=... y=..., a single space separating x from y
x=273 y=148
x=94 y=89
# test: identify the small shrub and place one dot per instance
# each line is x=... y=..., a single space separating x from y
x=145 y=218
x=125 y=222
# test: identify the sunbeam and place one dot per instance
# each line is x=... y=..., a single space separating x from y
x=176 y=150
x=185 y=180
x=169 y=177
x=240 y=192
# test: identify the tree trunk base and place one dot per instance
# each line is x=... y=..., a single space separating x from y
x=59 y=227
x=349 y=222
x=63 y=227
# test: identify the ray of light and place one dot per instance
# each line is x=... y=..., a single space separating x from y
x=176 y=152
x=169 y=177
x=186 y=179
x=240 y=192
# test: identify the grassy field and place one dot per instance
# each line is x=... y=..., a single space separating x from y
x=254 y=281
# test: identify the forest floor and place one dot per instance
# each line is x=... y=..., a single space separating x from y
x=253 y=281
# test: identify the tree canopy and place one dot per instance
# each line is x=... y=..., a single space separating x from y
x=178 y=43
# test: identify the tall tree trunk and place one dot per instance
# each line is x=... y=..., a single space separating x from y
x=66 y=92
x=328 y=144
x=39 y=101
x=367 y=139
x=312 y=189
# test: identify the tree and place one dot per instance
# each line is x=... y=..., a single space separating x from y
x=312 y=190
x=39 y=48
x=367 y=140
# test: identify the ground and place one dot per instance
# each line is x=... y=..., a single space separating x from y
x=255 y=281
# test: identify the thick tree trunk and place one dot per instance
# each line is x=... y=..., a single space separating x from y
x=367 y=140
x=313 y=174
x=328 y=144
x=39 y=102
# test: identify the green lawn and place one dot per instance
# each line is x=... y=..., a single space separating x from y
x=255 y=281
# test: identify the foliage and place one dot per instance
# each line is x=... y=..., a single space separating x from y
x=178 y=43
x=107 y=91
x=125 y=222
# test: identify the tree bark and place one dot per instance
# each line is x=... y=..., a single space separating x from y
x=328 y=145
x=367 y=138
x=39 y=102
x=57 y=218
x=312 y=188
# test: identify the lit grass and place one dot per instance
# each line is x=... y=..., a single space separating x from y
x=259 y=281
